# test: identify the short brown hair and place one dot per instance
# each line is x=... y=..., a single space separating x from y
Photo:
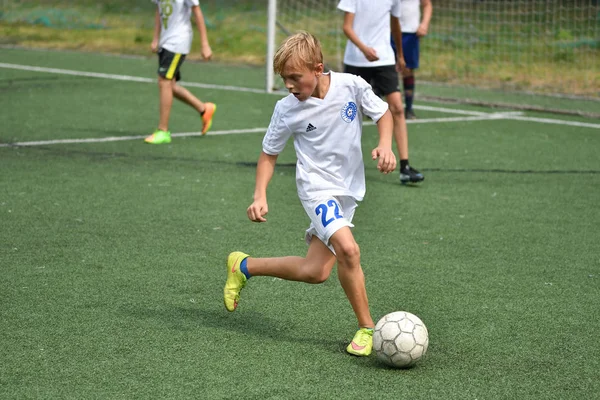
x=302 y=48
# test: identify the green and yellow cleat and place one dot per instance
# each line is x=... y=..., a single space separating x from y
x=159 y=137
x=236 y=280
x=362 y=344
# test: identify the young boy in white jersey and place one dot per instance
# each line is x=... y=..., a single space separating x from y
x=173 y=41
x=413 y=29
x=323 y=113
x=369 y=55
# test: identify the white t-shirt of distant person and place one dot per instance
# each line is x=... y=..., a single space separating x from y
x=410 y=15
x=372 y=25
x=175 y=26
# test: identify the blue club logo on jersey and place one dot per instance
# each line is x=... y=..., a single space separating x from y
x=349 y=111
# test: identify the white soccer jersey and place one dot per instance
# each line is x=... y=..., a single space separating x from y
x=327 y=136
x=410 y=17
x=372 y=25
x=176 y=28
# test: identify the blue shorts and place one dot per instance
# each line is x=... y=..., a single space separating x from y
x=410 y=49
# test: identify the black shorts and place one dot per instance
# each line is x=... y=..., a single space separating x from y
x=169 y=64
x=383 y=79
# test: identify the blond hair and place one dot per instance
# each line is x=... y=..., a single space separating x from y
x=301 y=48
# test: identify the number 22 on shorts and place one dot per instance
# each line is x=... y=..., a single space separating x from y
x=326 y=209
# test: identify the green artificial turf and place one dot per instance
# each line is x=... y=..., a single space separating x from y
x=112 y=254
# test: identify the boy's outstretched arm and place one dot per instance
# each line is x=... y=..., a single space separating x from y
x=264 y=172
x=157 y=22
x=348 y=28
x=383 y=151
x=199 y=18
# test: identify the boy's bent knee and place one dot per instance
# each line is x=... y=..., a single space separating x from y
x=316 y=277
x=397 y=111
x=348 y=252
x=315 y=273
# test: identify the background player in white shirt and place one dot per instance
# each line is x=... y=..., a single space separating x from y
x=413 y=29
x=172 y=23
x=369 y=54
x=323 y=113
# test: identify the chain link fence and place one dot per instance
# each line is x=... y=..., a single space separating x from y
x=477 y=51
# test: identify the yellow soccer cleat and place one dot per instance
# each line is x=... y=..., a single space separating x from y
x=236 y=280
x=362 y=344
x=207 y=117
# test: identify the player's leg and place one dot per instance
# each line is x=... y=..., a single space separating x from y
x=168 y=68
x=352 y=279
x=331 y=220
x=351 y=275
x=410 y=49
x=386 y=84
x=314 y=268
x=162 y=135
x=205 y=109
x=408 y=83
x=394 y=101
x=165 y=90
x=184 y=95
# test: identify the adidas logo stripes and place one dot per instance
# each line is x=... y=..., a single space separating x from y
x=310 y=128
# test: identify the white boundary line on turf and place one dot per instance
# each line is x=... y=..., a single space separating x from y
x=556 y=122
x=130 y=78
x=124 y=138
x=225 y=132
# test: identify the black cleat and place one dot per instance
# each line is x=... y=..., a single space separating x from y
x=410 y=175
x=410 y=114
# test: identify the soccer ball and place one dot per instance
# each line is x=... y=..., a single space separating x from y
x=400 y=339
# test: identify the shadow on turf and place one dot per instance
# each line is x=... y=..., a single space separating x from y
x=249 y=323
x=51 y=150
x=246 y=322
